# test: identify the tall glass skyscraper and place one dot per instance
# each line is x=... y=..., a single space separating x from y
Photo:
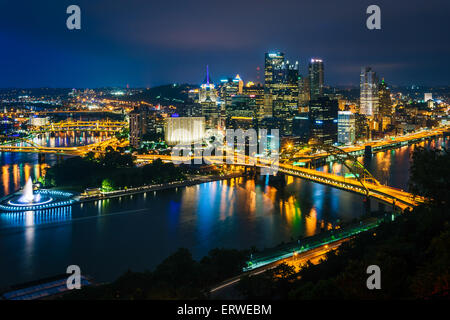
x=281 y=89
x=323 y=114
x=368 y=92
x=316 y=78
x=346 y=127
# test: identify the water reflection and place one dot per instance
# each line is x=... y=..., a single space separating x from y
x=67 y=138
x=107 y=237
x=17 y=167
x=390 y=167
x=35 y=218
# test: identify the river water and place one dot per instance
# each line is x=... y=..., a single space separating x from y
x=105 y=238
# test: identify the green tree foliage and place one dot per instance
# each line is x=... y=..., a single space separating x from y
x=177 y=277
x=123 y=134
x=153 y=136
x=412 y=251
x=429 y=174
x=117 y=168
x=107 y=185
x=272 y=284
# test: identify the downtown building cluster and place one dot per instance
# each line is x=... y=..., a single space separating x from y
x=299 y=105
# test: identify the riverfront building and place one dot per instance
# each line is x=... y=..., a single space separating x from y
x=184 y=130
x=346 y=127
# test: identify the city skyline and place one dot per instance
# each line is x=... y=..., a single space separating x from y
x=143 y=48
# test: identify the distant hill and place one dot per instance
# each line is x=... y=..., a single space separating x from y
x=165 y=95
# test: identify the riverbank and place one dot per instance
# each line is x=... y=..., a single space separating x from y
x=156 y=187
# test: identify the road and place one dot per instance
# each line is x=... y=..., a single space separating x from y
x=296 y=260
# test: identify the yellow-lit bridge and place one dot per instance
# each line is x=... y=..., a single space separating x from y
x=361 y=181
x=93 y=126
x=98 y=147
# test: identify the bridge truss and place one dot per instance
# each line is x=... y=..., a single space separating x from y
x=355 y=167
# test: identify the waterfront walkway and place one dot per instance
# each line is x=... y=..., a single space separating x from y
x=156 y=187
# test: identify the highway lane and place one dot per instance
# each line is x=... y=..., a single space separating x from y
x=297 y=260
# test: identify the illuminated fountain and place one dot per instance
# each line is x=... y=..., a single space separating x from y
x=28 y=199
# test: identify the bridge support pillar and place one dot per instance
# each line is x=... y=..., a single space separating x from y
x=381 y=207
x=367 y=209
x=279 y=178
x=368 y=152
x=41 y=158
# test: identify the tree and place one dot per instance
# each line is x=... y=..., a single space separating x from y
x=107 y=185
x=429 y=174
x=90 y=156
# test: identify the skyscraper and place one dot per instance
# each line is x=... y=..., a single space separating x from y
x=346 y=127
x=228 y=89
x=208 y=99
x=272 y=68
x=316 y=78
x=281 y=89
x=256 y=92
x=385 y=103
x=304 y=93
x=138 y=125
x=368 y=92
x=323 y=114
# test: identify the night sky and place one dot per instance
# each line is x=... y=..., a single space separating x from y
x=152 y=42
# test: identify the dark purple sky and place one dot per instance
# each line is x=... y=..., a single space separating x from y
x=151 y=42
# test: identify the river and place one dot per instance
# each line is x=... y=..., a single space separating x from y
x=106 y=238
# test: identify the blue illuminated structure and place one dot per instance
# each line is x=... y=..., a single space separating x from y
x=50 y=199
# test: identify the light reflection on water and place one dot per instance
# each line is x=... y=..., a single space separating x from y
x=17 y=167
x=107 y=237
x=390 y=167
x=35 y=218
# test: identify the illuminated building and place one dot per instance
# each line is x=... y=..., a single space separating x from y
x=316 y=78
x=427 y=96
x=184 y=130
x=256 y=93
x=281 y=89
x=208 y=99
x=304 y=93
x=242 y=106
x=368 y=92
x=242 y=113
x=138 y=125
x=228 y=89
x=323 y=114
x=301 y=127
x=39 y=121
x=272 y=74
x=361 y=127
x=346 y=127
x=384 y=97
x=144 y=120
x=240 y=83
